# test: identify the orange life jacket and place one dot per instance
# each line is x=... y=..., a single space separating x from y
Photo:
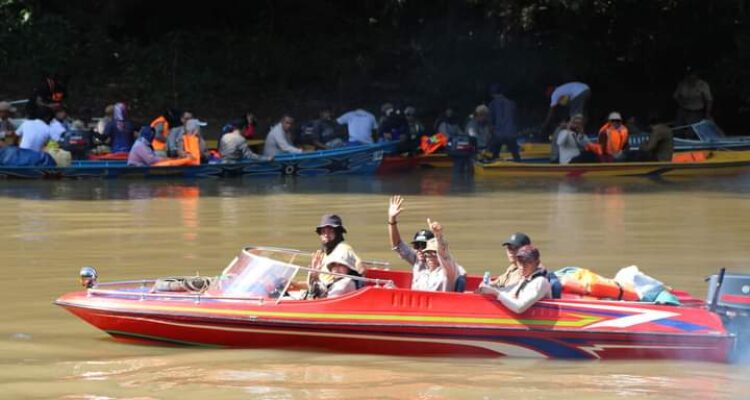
x=431 y=144
x=192 y=146
x=158 y=144
x=173 y=162
x=587 y=283
x=616 y=138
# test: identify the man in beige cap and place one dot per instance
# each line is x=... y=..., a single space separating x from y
x=7 y=128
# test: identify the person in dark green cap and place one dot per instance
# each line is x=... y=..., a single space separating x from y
x=512 y=274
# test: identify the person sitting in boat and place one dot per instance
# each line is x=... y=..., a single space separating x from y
x=176 y=131
x=414 y=255
x=659 y=146
x=279 y=139
x=512 y=274
x=233 y=146
x=191 y=144
x=119 y=131
x=573 y=145
x=331 y=233
x=141 y=154
x=533 y=286
x=341 y=262
x=613 y=138
x=441 y=270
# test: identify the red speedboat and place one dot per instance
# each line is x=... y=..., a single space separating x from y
x=258 y=302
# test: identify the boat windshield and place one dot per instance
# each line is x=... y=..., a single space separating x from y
x=708 y=131
x=257 y=273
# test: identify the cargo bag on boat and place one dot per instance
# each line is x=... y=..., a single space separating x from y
x=647 y=288
x=12 y=156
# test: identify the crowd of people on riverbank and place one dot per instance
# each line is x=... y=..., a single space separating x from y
x=175 y=137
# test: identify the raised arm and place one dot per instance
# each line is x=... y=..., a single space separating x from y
x=394 y=209
x=444 y=254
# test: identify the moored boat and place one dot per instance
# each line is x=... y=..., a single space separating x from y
x=257 y=303
x=363 y=159
x=710 y=163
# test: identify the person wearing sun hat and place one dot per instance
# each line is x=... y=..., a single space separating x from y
x=331 y=232
x=341 y=262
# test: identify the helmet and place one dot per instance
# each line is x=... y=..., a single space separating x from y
x=422 y=235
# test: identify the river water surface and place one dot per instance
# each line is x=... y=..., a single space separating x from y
x=677 y=231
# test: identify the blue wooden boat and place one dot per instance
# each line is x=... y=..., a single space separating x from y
x=360 y=159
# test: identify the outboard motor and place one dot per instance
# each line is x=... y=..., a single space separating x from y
x=77 y=142
x=729 y=296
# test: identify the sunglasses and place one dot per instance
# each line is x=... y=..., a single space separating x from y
x=512 y=248
x=419 y=245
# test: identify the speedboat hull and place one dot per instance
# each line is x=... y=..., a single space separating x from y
x=405 y=322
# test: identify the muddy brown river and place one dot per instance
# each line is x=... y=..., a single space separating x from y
x=677 y=231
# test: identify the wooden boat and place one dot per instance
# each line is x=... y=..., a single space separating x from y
x=364 y=159
x=256 y=303
x=703 y=135
x=712 y=163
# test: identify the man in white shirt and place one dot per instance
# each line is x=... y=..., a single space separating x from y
x=35 y=133
x=442 y=271
x=59 y=124
x=571 y=143
x=360 y=124
x=279 y=139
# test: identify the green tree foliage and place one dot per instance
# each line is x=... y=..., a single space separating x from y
x=224 y=57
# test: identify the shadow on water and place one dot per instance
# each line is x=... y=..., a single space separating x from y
x=425 y=182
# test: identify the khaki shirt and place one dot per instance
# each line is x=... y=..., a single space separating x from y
x=510 y=277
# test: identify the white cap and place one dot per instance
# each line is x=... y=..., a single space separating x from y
x=614 y=116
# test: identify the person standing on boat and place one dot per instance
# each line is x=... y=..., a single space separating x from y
x=279 y=139
x=331 y=234
x=141 y=154
x=532 y=287
x=694 y=100
x=573 y=95
x=341 y=262
x=503 y=113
